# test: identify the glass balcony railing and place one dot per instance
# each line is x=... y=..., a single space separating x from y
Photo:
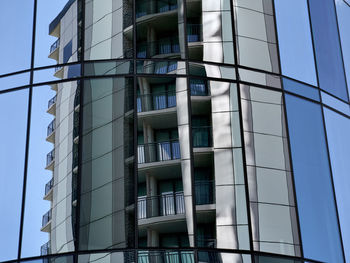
x=160 y=47
x=161 y=205
x=148 y=7
x=205 y=192
x=55 y=45
x=202 y=136
x=50 y=157
x=48 y=186
x=199 y=87
x=194 y=33
x=166 y=256
x=46 y=218
x=52 y=102
x=158 y=101
x=158 y=152
x=45 y=249
x=51 y=128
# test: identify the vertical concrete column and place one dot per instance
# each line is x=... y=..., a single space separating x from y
x=152 y=238
x=151 y=44
x=181 y=26
x=145 y=90
x=152 y=201
x=184 y=140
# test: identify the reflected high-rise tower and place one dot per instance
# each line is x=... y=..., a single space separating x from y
x=195 y=131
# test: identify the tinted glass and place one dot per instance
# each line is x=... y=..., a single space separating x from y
x=316 y=205
x=338 y=130
x=327 y=47
x=301 y=89
x=16 y=35
x=343 y=12
x=13 y=119
x=294 y=38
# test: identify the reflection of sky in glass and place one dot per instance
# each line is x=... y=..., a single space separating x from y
x=338 y=131
x=294 y=35
x=13 y=119
x=343 y=12
x=16 y=20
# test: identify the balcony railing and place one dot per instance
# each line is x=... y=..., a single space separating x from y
x=202 y=136
x=50 y=157
x=158 y=152
x=199 y=87
x=158 y=101
x=161 y=205
x=57 y=68
x=55 y=45
x=45 y=249
x=166 y=256
x=205 y=192
x=52 y=102
x=51 y=128
x=162 y=67
x=206 y=242
x=48 y=186
x=147 y=7
x=159 y=47
x=46 y=218
x=194 y=32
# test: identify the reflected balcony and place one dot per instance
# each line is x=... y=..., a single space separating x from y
x=54 y=50
x=77 y=100
x=51 y=107
x=158 y=152
x=205 y=192
x=194 y=33
x=51 y=132
x=158 y=67
x=202 y=137
x=46 y=222
x=50 y=160
x=148 y=7
x=199 y=87
x=45 y=249
x=161 y=205
x=161 y=256
x=206 y=242
x=160 y=48
x=48 y=190
x=58 y=72
x=158 y=101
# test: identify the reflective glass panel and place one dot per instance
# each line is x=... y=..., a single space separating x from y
x=13 y=119
x=14 y=81
x=16 y=35
x=338 y=130
x=327 y=48
x=316 y=205
x=301 y=89
x=294 y=38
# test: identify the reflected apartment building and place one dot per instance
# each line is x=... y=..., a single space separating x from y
x=166 y=151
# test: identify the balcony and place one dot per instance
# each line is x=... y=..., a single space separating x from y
x=51 y=107
x=194 y=33
x=161 y=67
x=148 y=7
x=51 y=132
x=158 y=152
x=160 y=48
x=50 y=160
x=166 y=256
x=46 y=222
x=58 y=72
x=158 y=101
x=205 y=192
x=48 y=190
x=54 y=50
x=161 y=205
x=199 y=87
x=202 y=136
x=45 y=249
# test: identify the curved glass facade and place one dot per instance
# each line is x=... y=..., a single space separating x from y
x=174 y=131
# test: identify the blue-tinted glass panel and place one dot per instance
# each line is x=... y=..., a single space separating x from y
x=67 y=52
x=335 y=103
x=317 y=213
x=327 y=48
x=338 y=130
x=14 y=81
x=301 y=89
x=16 y=21
x=295 y=43
x=13 y=119
x=343 y=12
